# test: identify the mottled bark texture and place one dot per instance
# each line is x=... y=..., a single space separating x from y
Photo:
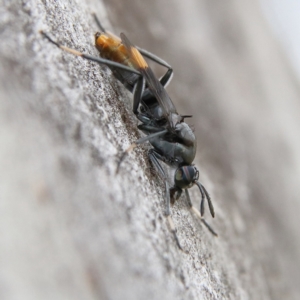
x=72 y=229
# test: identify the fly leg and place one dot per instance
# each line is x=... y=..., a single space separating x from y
x=154 y=158
x=204 y=193
x=165 y=79
x=139 y=142
x=98 y=22
x=138 y=91
x=99 y=60
x=139 y=86
x=196 y=212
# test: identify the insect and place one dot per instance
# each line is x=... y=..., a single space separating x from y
x=175 y=146
x=173 y=141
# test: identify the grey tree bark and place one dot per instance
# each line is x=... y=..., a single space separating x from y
x=72 y=229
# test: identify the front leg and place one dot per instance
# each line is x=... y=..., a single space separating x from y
x=138 y=91
x=154 y=158
x=173 y=191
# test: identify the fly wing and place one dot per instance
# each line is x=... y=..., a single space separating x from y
x=153 y=83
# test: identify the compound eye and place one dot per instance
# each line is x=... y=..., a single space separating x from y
x=185 y=177
x=178 y=175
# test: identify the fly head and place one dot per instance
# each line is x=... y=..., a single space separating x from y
x=186 y=176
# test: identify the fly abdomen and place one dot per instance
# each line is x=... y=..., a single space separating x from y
x=111 y=48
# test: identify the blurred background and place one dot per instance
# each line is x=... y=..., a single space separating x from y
x=283 y=20
x=72 y=229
